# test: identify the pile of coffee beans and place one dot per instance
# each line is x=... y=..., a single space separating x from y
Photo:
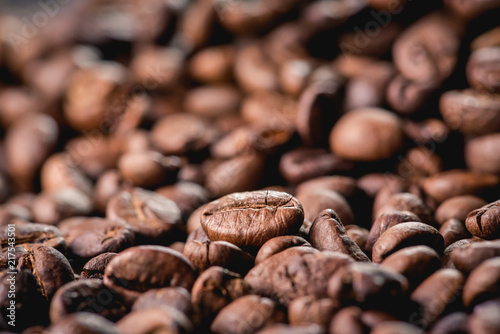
x=263 y=166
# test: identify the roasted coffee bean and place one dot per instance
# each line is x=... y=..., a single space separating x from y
x=407 y=202
x=58 y=172
x=31 y=306
x=212 y=64
x=308 y=310
x=142 y=268
x=218 y=253
x=86 y=295
x=344 y=185
x=481 y=154
x=28 y=142
x=317 y=111
x=457 y=208
x=187 y=195
x=372 y=183
x=453 y=183
x=94 y=268
x=446 y=259
x=314 y=201
x=394 y=327
x=198 y=235
x=252 y=218
x=295 y=272
x=288 y=329
x=482 y=283
x=279 y=244
x=424 y=59
x=327 y=233
x=452 y=323
x=407 y=96
x=348 y=321
x=385 y=221
x=264 y=108
x=165 y=319
x=34 y=233
x=89 y=237
x=470 y=111
x=215 y=288
x=148 y=168
x=484 y=318
x=471 y=9
x=247 y=314
x=83 y=322
x=241 y=173
x=358 y=234
x=467 y=257
x=405 y=235
x=303 y=164
x=212 y=101
x=172 y=297
x=52 y=207
x=485 y=221
x=420 y=162
x=453 y=230
x=367 y=134
x=181 y=133
x=483 y=69
x=50 y=267
x=109 y=184
x=415 y=263
x=366 y=284
x=152 y=217
x=294 y=75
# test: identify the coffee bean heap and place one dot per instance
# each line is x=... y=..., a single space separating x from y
x=263 y=166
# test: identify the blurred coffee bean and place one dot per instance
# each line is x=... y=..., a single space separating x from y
x=481 y=154
x=457 y=207
x=470 y=9
x=407 y=202
x=165 y=319
x=358 y=234
x=212 y=101
x=407 y=96
x=187 y=195
x=152 y=217
x=279 y=244
x=212 y=64
x=468 y=257
x=86 y=295
x=109 y=184
x=483 y=319
x=314 y=201
x=453 y=230
x=452 y=323
x=367 y=134
x=483 y=69
x=83 y=322
x=308 y=310
x=171 y=297
x=482 y=283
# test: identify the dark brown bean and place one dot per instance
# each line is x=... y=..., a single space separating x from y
x=468 y=257
x=172 y=297
x=453 y=230
x=83 y=322
x=142 y=268
x=485 y=221
x=308 y=310
x=279 y=244
x=165 y=319
x=482 y=283
x=34 y=233
x=483 y=69
x=94 y=268
x=458 y=208
x=481 y=154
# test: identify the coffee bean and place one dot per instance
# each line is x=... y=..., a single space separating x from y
x=316 y=201
x=34 y=233
x=366 y=284
x=52 y=207
x=407 y=96
x=86 y=295
x=148 y=168
x=247 y=315
x=109 y=184
x=212 y=64
x=452 y=323
x=446 y=259
x=187 y=195
x=482 y=283
x=483 y=319
x=252 y=218
x=484 y=222
x=468 y=257
x=457 y=208
x=471 y=112
x=89 y=237
x=348 y=320
x=165 y=319
x=415 y=263
x=303 y=164
x=483 y=69
x=453 y=230
x=94 y=268
x=367 y=134
x=285 y=329
x=279 y=244
x=172 y=297
x=481 y=154
x=181 y=133
x=295 y=272
x=328 y=233
x=394 y=327
x=471 y=9
x=407 y=202
x=215 y=288
x=204 y=254
x=83 y=322
x=386 y=221
x=405 y=235
x=152 y=217
x=212 y=101
x=307 y=310
x=142 y=268
x=453 y=183
x=358 y=234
